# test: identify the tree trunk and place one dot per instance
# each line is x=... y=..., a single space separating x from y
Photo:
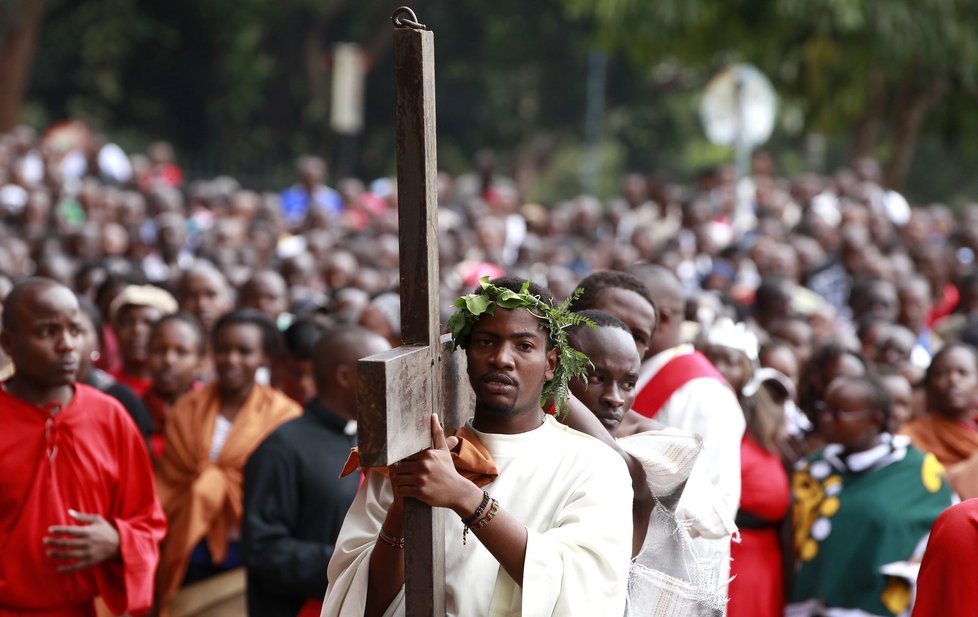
x=868 y=127
x=315 y=114
x=910 y=118
x=531 y=159
x=17 y=47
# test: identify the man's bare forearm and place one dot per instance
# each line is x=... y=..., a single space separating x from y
x=386 y=575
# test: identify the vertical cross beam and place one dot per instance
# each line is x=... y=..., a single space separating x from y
x=417 y=184
x=417 y=198
x=399 y=389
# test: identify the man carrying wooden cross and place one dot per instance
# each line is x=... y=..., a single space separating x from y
x=543 y=523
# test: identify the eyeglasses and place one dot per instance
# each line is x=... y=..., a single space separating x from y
x=839 y=414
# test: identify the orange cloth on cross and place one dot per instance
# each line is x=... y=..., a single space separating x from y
x=203 y=499
x=472 y=459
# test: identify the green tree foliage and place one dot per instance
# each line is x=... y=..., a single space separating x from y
x=870 y=69
x=196 y=71
x=242 y=86
x=242 y=83
x=20 y=21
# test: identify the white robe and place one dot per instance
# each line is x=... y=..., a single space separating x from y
x=707 y=407
x=574 y=496
x=667 y=579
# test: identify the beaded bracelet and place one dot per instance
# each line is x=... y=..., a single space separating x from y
x=489 y=515
x=388 y=539
x=478 y=511
x=485 y=520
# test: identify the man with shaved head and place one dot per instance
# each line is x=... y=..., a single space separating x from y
x=609 y=390
x=78 y=513
x=295 y=500
x=680 y=388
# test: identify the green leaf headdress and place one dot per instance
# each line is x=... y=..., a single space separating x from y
x=571 y=363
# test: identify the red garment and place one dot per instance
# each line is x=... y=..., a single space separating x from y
x=91 y=458
x=312 y=608
x=674 y=375
x=139 y=385
x=156 y=176
x=109 y=360
x=758 y=587
x=948 y=581
x=949 y=301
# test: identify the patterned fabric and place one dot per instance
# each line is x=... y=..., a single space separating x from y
x=852 y=515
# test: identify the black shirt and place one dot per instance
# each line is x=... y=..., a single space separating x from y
x=294 y=506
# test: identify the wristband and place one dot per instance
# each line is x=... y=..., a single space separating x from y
x=478 y=511
x=388 y=539
x=483 y=522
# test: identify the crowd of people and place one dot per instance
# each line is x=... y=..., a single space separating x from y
x=805 y=346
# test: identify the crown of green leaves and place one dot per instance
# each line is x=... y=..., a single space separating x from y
x=571 y=363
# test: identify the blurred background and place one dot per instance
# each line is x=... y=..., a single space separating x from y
x=569 y=94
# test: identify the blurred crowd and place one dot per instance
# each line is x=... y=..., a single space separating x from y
x=832 y=275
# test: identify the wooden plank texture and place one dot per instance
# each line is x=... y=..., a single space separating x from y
x=458 y=398
x=393 y=396
x=417 y=184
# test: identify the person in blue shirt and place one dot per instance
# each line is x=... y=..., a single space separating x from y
x=310 y=191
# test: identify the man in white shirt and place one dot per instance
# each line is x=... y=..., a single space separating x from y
x=548 y=534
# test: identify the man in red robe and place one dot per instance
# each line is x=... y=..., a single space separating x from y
x=79 y=517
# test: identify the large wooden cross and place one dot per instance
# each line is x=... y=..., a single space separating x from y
x=399 y=389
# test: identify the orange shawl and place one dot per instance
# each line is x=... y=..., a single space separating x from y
x=951 y=441
x=202 y=499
